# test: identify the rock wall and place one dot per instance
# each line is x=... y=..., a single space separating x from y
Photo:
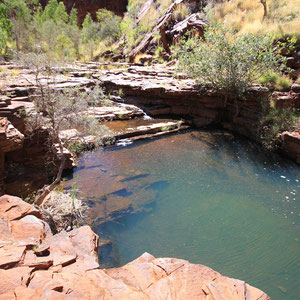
x=34 y=264
x=160 y=92
x=10 y=140
x=26 y=160
x=83 y=7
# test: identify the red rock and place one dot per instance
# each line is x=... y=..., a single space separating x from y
x=10 y=255
x=13 y=208
x=12 y=278
x=29 y=230
x=33 y=261
x=85 y=242
x=291 y=145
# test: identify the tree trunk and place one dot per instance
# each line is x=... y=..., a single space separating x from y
x=264 y=3
x=40 y=198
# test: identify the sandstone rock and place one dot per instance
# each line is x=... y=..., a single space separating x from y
x=291 y=145
x=10 y=255
x=168 y=278
x=10 y=138
x=12 y=278
x=13 y=208
x=29 y=230
x=296 y=88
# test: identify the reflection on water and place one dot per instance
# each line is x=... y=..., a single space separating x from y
x=205 y=197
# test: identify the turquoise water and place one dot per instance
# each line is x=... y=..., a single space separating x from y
x=206 y=197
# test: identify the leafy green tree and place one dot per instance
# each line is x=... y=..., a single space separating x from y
x=49 y=11
x=60 y=14
x=90 y=34
x=5 y=27
x=109 y=24
x=73 y=19
x=20 y=16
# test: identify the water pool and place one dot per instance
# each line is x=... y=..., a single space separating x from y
x=206 y=197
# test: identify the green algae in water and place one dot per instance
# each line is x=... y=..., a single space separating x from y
x=204 y=197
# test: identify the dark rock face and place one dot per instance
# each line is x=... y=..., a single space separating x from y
x=91 y=6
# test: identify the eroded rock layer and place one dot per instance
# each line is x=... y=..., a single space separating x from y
x=34 y=264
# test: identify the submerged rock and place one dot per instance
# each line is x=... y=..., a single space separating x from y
x=34 y=264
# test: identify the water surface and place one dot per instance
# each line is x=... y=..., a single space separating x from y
x=206 y=197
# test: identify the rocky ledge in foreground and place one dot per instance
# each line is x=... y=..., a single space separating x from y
x=34 y=264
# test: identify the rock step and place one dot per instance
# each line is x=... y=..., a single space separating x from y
x=157 y=134
x=22 y=99
x=134 y=128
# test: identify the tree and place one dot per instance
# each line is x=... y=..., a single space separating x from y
x=5 y=27
x=49 y=11
x=60 y=14
x=109 y=24
x=20 y=16
x=90 y=34
x=59 y=110
x=73 y=20
x=264 y=3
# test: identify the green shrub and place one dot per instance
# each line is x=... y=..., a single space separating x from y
x=226 y=63
x=109 y=24
x=274 y=121
x=276 y=81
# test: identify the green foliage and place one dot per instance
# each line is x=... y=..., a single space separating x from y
x=276 y=81
x=110 y=24
x=77 y=148
x=274 y=121
x=73 y=17
x=60 y=14
x=50 y=10
x=5 y=27
x=226 y=63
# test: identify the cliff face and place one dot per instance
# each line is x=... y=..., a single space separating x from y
x=91 y=6
x=34 y=264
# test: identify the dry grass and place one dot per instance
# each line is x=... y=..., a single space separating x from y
x=247 y=16
x=150 y=18
x=164 y=4
x=62 y=212
x=181 y=12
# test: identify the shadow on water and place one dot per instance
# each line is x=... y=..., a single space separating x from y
x=107 y=230
x=134 y=177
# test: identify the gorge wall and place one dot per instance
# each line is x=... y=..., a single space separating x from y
x=84 y=7
x=160 y=92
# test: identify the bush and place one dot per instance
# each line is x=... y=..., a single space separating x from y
x=226 y=63
x=109 y=26
x=275 y=80
x=274 y=121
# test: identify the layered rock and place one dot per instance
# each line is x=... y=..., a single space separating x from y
x=92 y=6
x=35 y=264
x=29 y=166
x=10 y=140
x=291 y=145
x=161 y=92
